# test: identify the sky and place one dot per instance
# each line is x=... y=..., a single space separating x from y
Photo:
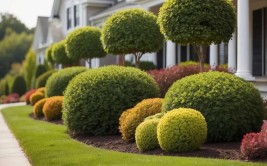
x=27 y=11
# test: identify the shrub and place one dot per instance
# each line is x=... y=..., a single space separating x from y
x=38 y=108
x=182 y=130
x=41 y=90
x=35 y=97
x=146 y=135
x=94 y=100
x=28 y=94
x=40 y=69
x=48 y=54
x=264 y=127
x=231 y=106
x=265 y=109
x=11 y=98
x=145 y=108
x=59 y=54
x=52 y=108
x=58 y=81
x=156 y=116
x=19 y=85
x=42 y=79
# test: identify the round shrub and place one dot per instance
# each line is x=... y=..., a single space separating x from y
x=146 y=135
x=28 y=94
x=42 y=79
x=52 y=108
x=182 y=130
x=94 y=100
x=48 y=54
x=59 y=54
x=58 y=81
x=19 y=85
x=41 y=90
x=38 y=108
x=35 y=97
x=156 y=116
x=40 y=69
x=145 y=108
x=232 y=107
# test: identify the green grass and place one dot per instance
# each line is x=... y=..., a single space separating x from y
x=48 y=144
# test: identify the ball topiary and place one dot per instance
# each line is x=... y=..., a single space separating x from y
x=42 y=79
x=38 y=108
x=59 y=54
x=146 y=135
x=94 y=100
x=231 y=106
x=35 y=97
x=145 y=108
x=182 y=130
x=52 y=108
x=41 y=90
x=58 y=81
x=19 y=85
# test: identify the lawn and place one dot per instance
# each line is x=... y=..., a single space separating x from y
x=48 y=144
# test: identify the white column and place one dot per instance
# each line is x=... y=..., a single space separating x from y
x=232 y=53
x=170 y=54
x=244 y=58
x=213 y=55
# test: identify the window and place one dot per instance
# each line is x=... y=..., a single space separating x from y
x=69 y=18
x=76 y=16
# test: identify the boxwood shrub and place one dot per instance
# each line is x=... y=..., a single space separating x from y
x=38 y=108
x=19 y=85
x=42 y=79
x=232 y=107
x=35 y=97
x=52 y=108
x=58 y=81
x=95 y=99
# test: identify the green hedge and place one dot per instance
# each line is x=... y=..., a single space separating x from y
x=42 y=79
x=19 y=85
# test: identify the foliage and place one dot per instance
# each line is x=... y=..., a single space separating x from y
x=264 y=126
x=11 y=98
x=265 y=109
x=231 y=106
x=28 y=94
x=156 y=116
x=38 y=108
x=143 y=65
x=35 y=97
x=146 y=135
x=59 y=54
x=182 y=130
x=57 y=82
x=131 y=31
x=52 y=108
x=40 y=69
x=129 y=121
x=4 y=89
x=95 y=99
x=29 y=67
x=48 y=54
x=42 y=79
x=41 y=90
x=19 y=85
x=84 y=43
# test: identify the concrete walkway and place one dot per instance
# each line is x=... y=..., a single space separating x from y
x=11 y=153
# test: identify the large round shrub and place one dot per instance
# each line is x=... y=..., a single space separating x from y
x=19 y=85
x=232 y=107
x=58 y=81
x=146 y=135
x=52 y=108
x=41 y=80
x=38 y=108
x=129 y=122
x=182 y=130
x=94 y=100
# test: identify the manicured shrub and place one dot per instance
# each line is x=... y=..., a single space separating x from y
x=11 y=98
x=38 y=108
x=4 y=89
x=146 y=135
x=52 y=108
x=145 y=108
x=48 y=54
x=182 y=130
x=232 y=107
x=264 y=127
x=19 y=85
x=35 y=97
x=156 y=116
x=59 y=54
x=265 y=109
x=42 y=79
x=27 y=96
x=95 y=99
x=40 y=69
x=58 y=81
x=41 y=90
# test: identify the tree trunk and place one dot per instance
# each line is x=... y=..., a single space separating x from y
x=122 y=60
x=201 y=51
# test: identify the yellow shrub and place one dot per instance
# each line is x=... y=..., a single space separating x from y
x=38 y=108
x=53 y=108
x=42 y=90
x=35 y=97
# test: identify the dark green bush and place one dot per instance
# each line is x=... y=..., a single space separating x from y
x=232 y=107
x=94 y=100
x=41 y=80
x=57 y=82
x=19 y=85
x=40 y=69
x=143 y=65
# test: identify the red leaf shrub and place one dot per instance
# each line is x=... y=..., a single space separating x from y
x=12 y=98
x=28 y=94
x=264 y=127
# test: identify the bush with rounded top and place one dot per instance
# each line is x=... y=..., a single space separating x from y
x=182 y=130
x=28 y=94
x=19 y=85
x=156 y=116
x=94 y=100
x=41 y=90
x=52 y=108
x=145 y=108
x=42 y=79
x=48 y=54
x=57 y=82
x=232 y=107
x=35 y=97
x=38 y=108
x=146 y=135
x=40 y=69
x=59 y=54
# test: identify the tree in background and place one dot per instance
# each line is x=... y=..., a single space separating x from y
x=199 y=23
x=19 y=85
x=85 y=43
x=132 y=31
x=29 y=66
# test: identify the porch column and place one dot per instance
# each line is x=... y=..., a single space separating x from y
x=213 y=55
x=244 y=58
x=170 y=60
x=232 y=53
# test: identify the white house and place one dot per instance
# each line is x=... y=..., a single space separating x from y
x=246 y=52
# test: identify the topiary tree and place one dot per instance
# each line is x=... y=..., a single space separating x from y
x=231 y=106
x=48 y=55
x=84 y=43
x=131 y=31
x=59 y=54
x=19 y=85
x=199 y=23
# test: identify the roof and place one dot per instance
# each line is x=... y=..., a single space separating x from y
x=41 y=31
